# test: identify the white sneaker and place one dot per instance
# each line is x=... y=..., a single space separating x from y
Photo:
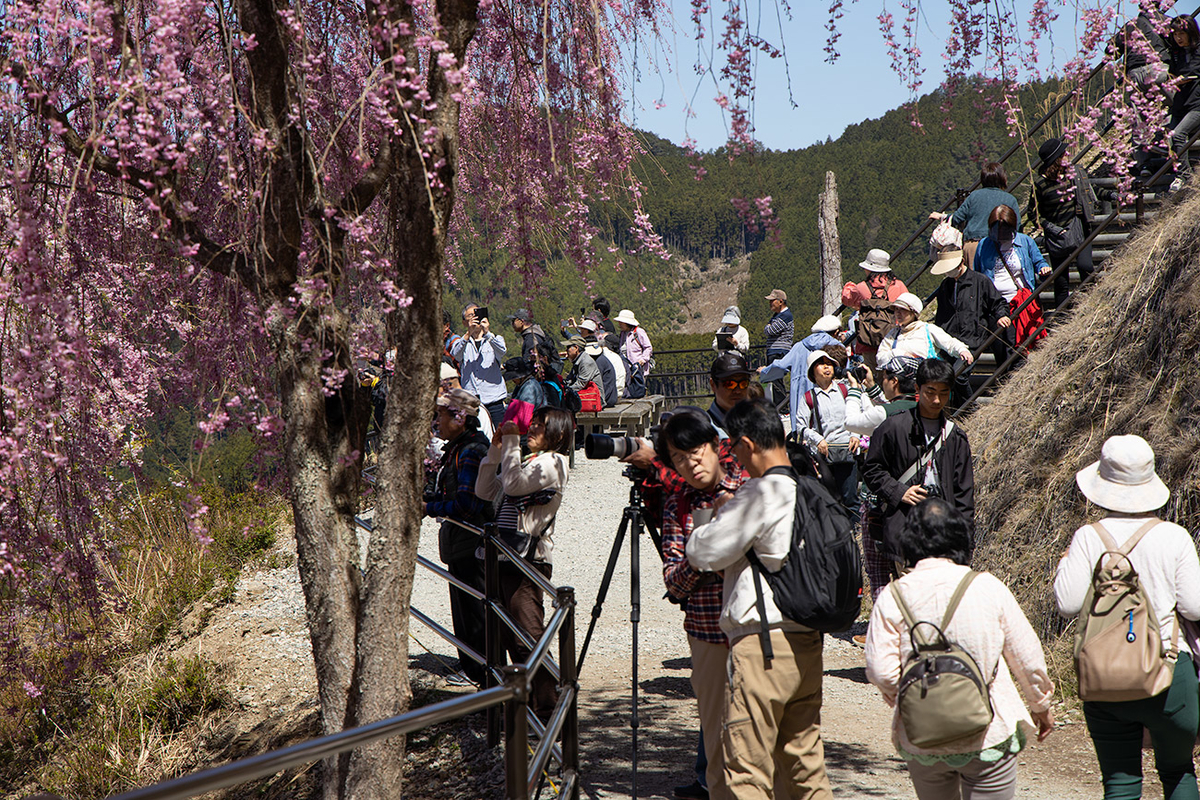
x=1176 y=185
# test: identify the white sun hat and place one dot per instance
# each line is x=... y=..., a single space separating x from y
x=877 y=261
x=909 y=301
x=827 y=324
x=627 y=317
x=1124 y=478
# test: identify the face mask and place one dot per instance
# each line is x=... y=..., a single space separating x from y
x=1005 y=244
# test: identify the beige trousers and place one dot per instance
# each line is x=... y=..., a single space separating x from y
x=708 y=682
x=771 y=735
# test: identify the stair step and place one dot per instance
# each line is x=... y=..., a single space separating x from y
x=1110 y=238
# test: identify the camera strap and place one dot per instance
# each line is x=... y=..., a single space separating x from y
x=930 y=451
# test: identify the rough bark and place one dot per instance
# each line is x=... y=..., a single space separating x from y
x=829 y=246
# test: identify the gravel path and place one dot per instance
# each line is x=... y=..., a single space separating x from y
x=263 y=637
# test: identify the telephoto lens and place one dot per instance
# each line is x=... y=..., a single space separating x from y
x=599 y=445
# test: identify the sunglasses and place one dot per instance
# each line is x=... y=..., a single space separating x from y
x=736 y=383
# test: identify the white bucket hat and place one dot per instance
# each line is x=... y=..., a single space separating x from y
x=588 y=325
x=627 y=317
x=816 y=356
x=827 y=324
x=877 y=261
x=733 y=316
x=947 y=262
x=1124 y=478
x=910 y=301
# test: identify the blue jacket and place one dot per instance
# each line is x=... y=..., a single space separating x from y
x=796 y=362
x=1032 y=260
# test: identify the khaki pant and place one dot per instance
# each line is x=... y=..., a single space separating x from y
x=708 y=682
x=974 y=781
x=969 y=249
x=772 y=720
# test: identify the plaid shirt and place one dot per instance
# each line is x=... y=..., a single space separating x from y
x=702 y=610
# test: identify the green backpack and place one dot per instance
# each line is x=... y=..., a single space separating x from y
x=943 y=694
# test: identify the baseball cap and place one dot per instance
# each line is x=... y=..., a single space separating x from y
x=777 y=294
x=728 y=364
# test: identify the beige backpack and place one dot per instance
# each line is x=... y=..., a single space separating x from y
x=1119 y=652
x=943 y=695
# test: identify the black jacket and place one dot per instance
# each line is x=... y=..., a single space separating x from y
x=895 y=446
x=968 y=307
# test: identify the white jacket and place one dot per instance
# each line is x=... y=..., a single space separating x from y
x=503 y=471
x=922 y=339
x=759 y=516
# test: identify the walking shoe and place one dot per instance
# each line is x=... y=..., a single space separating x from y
x=459 y=678
x=693 y=791
x=1176 y=185
x=859 y=639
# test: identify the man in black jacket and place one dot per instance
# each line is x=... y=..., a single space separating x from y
x=969 y=308
x=919 y=454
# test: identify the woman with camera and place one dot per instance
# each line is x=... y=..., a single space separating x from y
x=531 y=489
x=822 y=425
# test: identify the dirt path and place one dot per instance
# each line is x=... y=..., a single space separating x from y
x=262 y=636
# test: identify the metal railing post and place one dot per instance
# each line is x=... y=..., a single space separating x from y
x=568 y=679
x=493 y=650
x=516 y=734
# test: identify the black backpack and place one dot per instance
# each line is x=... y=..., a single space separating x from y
x=819 y=584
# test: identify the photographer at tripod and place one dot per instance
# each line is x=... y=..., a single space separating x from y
x=691 y=444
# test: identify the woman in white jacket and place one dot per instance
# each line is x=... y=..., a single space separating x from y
x=988 y=624
x=912 y=337
x=1124 y=483
x=532 y=490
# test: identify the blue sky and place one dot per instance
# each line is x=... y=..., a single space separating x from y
x=860 y=85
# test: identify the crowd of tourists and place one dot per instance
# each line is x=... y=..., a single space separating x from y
x=850 y=423
x=863 y=436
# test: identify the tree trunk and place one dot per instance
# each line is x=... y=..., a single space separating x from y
x=830 y=246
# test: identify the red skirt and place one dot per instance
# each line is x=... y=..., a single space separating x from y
x=1029 y=320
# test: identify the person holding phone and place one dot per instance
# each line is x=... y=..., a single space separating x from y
x=481 y=354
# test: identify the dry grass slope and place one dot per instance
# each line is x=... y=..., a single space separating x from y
x=1125 y=362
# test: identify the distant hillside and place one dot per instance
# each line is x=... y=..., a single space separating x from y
x=890 y=176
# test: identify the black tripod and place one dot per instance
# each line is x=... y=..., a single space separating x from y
x=632 y=517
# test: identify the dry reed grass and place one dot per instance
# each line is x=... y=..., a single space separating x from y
x=1125 y=362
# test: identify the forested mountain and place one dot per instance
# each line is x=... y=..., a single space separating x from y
x=890 y=175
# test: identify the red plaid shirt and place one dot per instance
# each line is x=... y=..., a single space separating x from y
x=702 y=609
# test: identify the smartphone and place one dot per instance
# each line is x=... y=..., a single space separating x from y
x=481 y=313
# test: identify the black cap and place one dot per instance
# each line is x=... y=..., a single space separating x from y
x=728 y=364
x=517 y=367
x=1051 y=151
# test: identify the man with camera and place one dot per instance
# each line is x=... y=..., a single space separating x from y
x=480 y=354
x=690 y=443
x=919 y=454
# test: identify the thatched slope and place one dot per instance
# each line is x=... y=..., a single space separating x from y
x=1125 y=362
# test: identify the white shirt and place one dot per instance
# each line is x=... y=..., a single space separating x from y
x=920 y=339
x=1166 y=564
x=864 y=413
x=759 y=516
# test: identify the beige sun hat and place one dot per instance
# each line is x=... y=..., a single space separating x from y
x=877 y=261
x=627 y=317
x=1124 y=478
x=947 y=262
x=909 y=301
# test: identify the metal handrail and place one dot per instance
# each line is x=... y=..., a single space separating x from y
x=514 y=691
x=261 y=766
